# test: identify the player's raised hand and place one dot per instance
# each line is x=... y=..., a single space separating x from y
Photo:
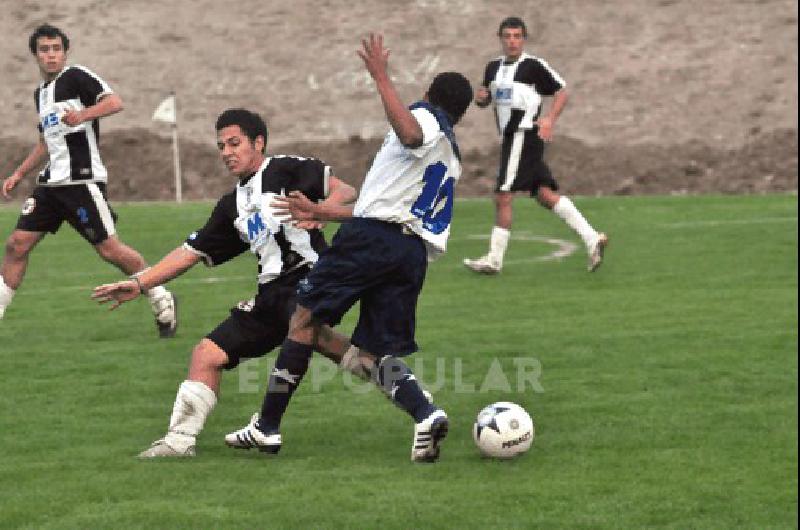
x=118 y=293
x=374 y=55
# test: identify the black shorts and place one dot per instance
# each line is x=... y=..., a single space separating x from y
x=381 y=265
x=257 y=327
x=84 y=206
x=522 y=165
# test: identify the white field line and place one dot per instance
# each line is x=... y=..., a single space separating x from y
x=724 y=222
x=562 y=248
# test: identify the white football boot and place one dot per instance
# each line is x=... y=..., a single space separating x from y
x=428 y=434
x=161 y=448
x=165 y=309
x=484 y=265
x=250 y=436
x=596 y=252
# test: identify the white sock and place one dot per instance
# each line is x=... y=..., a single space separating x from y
x=156 y=293
x=6 y=294
x=498 y=244
x=567 y=211
x=193 y=404
x=161 y=303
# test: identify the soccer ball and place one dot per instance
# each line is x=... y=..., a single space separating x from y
x=503 y=430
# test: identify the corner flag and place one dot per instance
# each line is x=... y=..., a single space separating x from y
x=167 y=112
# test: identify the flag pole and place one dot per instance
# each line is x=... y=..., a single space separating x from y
x=176 y=157
x=167 y=112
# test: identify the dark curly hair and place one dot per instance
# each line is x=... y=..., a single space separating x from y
x=251 y=124
x=451 y=92
x=46 y=30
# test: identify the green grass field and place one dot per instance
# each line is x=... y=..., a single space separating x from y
x=669 y=385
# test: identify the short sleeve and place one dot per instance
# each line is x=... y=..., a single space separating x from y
x=218 y=240
x=430 y=130
x=311 y=177
x=36 y=104
x=489 y=73
x=90 y=86
x=546 y=80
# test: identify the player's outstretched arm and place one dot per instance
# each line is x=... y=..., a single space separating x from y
x=376 y=59
x=304 y=213
x=172 y=265
x=31 y=161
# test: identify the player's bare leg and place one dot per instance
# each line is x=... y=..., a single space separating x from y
x=15 y=262
x=194 y=402
x=492 y=262
x=129 y=261
x=563 y=207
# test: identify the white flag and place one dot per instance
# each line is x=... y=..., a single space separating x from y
x=166 y=110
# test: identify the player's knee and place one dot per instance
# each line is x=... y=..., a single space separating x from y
x=302 y=327
x=547 y=197
x=503 y=199
x=18 y=246
x=206 y=355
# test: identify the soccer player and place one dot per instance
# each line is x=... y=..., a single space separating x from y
x=516 y=83
x=72 y=187
x=379 y=256
x=242 y=220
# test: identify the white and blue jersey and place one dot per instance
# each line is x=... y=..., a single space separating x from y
x=380 y=257
x=415 y=187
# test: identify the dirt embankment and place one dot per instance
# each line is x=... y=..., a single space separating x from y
x=140 y=166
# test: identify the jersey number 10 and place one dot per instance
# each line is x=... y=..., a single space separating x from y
x=435 y=204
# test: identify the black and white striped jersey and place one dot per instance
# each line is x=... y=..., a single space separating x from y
x=74 y=156
x=243 y=219
x=516 y=89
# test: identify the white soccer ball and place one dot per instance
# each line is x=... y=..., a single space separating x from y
x=503 y=430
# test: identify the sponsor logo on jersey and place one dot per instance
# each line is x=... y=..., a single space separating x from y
x=49 y=121
x=503 y=94
x=255 y=227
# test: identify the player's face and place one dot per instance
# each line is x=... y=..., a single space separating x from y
x=241 y=155
x=50 y=55
x=513 y=41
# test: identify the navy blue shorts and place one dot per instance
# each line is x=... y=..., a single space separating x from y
x=376 y=263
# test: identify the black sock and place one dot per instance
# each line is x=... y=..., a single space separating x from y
x=395 y=377
x=290 y=367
